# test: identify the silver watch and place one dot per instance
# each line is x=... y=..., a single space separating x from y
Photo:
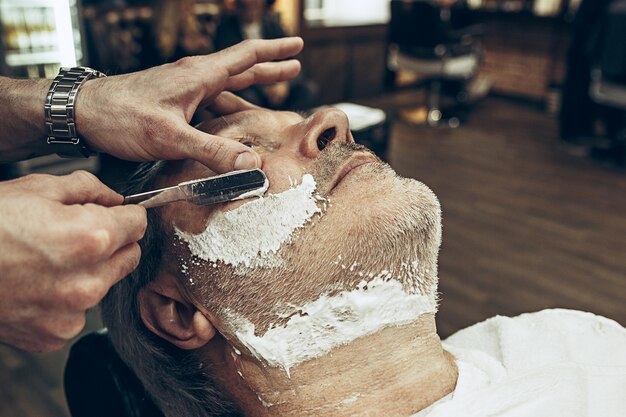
x=60 y=112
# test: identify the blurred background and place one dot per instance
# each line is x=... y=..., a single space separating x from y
x=512 y=111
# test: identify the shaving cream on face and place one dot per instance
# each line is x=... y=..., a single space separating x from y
x=251 y=235
x=330 y=321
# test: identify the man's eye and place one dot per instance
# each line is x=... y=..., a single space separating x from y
x=249 y=141
x=255 y=142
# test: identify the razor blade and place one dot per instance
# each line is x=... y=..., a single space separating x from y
x=234 y=185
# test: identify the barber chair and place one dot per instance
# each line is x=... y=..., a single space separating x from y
x=99 y=384
x=422 y=40
x=608 y=80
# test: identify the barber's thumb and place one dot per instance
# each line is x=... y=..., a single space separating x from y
x=219 y=154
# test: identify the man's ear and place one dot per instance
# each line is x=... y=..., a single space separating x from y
x=169 y=315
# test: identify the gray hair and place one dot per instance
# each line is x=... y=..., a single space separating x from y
x=177 y=380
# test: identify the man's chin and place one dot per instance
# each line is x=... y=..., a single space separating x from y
x=377 y=225
x=411 y=233
x=375 y=213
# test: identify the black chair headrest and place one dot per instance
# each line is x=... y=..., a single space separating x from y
x=99 y=384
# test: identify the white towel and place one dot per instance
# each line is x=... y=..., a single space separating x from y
x=551 y=363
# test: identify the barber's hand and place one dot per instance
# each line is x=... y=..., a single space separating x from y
x=64 y=241
x=145 y=115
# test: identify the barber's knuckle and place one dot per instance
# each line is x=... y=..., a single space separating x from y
x=220 y=72
x=143 y=221
x=253 y=47
x=93 y=243
x=140 y=222
x=128 y=264
x=125 y=262
x=134 y=258
x=85 y=179
x=71 y=326
x=87 y=293
x=78 y=324
x=251 y=44
x=85 y=184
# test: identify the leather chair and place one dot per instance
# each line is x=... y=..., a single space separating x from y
x=608 y=83
x=422 y=40
x=99 y=384
x=608 y=86
x=606 y=92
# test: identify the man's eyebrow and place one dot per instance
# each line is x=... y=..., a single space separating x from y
x=234 y=120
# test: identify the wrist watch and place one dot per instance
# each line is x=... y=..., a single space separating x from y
x=60 y=112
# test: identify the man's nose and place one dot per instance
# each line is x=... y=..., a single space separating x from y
x=326 y=126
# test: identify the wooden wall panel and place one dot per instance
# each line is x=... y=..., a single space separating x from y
x=368 y=69
x=523 y=55
x=327 y=65
x=345 y=62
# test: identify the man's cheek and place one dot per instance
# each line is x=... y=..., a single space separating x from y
x=283 y=173
x=188 y=217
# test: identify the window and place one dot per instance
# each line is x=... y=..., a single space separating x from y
x=348 y=12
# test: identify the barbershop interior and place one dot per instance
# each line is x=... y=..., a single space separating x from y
x=513 y=112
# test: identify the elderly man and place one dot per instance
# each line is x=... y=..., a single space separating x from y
x=318 y=299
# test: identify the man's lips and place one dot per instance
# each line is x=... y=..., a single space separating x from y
x=352 y=163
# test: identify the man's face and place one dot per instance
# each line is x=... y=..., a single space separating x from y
x=372 y=222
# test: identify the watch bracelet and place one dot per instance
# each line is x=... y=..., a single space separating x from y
x=60 y=110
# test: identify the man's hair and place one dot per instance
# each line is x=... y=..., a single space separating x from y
x=177 y=380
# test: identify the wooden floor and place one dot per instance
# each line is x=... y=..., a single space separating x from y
x=526 y=227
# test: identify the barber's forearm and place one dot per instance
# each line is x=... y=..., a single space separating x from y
x=22 y=119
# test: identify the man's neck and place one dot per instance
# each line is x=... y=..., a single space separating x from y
x=395 y=372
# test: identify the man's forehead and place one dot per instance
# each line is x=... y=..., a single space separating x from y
x=248 y=119
x=239 y=119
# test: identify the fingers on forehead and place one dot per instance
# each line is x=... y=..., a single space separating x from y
x=228 y=103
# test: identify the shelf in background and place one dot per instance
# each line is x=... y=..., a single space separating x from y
x=17 y=59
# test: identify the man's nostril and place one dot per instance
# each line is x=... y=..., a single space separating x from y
x=326 y=137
